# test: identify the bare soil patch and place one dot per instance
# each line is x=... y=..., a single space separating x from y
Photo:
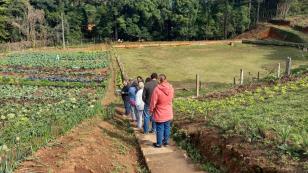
x=261 y=32
x=93 y=146
x=235 y=154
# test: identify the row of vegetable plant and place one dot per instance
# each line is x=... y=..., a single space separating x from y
x=74 y=60
x=37 y=107
x=280 y=111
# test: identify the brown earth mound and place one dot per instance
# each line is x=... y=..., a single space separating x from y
x=261 y=32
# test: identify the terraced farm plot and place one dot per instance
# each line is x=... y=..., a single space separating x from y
x=267 y=127
x=43 y=95
x=216 y=64
x=90 y=68
x=75 y=60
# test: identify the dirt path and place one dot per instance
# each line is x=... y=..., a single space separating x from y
x=94 y=146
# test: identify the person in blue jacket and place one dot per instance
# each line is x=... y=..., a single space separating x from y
x=132 y=98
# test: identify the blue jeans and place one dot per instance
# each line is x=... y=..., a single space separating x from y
x=163 y=132
x=153 y=124
x=147 y=118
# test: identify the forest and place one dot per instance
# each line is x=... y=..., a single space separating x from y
x=51 y=22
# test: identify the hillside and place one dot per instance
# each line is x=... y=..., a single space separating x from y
x=267 y=31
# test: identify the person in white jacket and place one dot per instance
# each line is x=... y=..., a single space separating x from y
x=139 y=104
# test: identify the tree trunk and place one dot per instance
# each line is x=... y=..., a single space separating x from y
x=63 y=34
x=116 y=35
x=258 y=12
x=249 y=13
x=225 y=24
x=283 y=8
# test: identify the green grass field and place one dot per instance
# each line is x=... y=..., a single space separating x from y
x=216 y=64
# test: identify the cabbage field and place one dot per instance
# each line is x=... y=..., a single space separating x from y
x=43 y=95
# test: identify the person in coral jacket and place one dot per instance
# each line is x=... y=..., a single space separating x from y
x=161 y=110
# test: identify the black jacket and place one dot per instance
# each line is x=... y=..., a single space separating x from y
x=148 y=90
x=124 y=93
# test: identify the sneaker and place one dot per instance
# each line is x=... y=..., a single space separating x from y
x=155 y=145
x=165 y=144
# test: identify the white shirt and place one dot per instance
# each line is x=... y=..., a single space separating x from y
x=139 y=101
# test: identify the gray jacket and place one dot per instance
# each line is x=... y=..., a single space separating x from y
x=148 y=90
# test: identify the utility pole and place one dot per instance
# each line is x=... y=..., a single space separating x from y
x=62 y=25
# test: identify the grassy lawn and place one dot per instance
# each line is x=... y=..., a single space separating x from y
x=216 y=64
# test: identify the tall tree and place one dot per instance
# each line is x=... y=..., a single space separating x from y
x=135 y=19
x=184 y=18
x=283 y=7
x=30 y=22
x=3 y=20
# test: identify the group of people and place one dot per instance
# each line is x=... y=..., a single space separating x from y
x=149 y=103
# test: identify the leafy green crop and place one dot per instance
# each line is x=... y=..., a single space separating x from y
x=279 y=112
x=75 y=60
x=44 y=95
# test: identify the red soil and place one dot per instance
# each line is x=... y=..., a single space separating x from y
x=235 y=154
x=261 y=32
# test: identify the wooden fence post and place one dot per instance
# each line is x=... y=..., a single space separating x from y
x=234 y=81
x=288 y=66
x=197 y=85
x=278 y=71
x=258 y=76
x=241 y=77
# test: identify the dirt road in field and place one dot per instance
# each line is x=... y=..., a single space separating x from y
x=94 y=146
x=104 y=47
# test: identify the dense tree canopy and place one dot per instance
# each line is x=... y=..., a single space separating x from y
x=98 y=20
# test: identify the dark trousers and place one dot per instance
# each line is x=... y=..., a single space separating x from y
x=127 y=107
